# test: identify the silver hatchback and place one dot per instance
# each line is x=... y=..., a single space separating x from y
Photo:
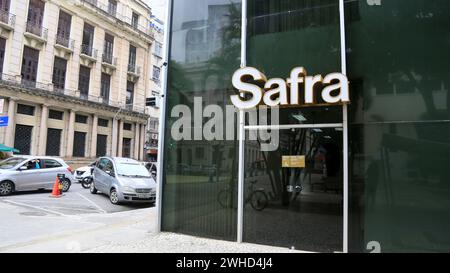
x=123 y=180
x=26 y=173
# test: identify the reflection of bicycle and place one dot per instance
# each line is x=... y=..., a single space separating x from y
x=258 y=198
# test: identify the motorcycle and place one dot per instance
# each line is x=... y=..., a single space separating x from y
x=87 y=181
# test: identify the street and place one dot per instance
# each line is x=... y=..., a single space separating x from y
x=74 y=202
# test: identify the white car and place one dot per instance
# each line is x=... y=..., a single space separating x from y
x=84 y=171
x=26 y=173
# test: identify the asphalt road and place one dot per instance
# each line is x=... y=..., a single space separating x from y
x=74 y=202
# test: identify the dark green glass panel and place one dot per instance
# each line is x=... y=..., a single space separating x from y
x=283 y=35
x=304 y=207
x=204 y=53
x=398 y=62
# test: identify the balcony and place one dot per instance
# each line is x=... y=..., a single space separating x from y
x=110 y=12
x=88 y=55
x=7 y=22
x=65 y=42
x=36 y=31
x=64 y=46
x=109 y=63
x=16 y=81
x=134 y=72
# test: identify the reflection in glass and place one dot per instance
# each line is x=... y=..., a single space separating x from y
x=204 y=53
x=398 y=59
x=292 y=206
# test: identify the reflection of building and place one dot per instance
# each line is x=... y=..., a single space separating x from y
x=155 y=87
x=75 y=76
x=397 y=152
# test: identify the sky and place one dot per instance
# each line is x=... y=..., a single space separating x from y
x=158 y=8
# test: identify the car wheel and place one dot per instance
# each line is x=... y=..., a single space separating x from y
x=92 y=188
x=66 y=185
x=6 y=188
x=114 y=197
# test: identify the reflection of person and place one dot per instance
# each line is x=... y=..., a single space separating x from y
x=372 y=177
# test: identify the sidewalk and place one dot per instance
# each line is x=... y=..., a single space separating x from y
x=125 y=232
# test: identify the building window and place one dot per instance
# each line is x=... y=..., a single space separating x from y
x=25 y=109
x=53 y=142
x=53 y=114
x=126 y=147
x=135 y=20
x=59 y=73
x=127 y=126
x=130 y=95
x=2 y=53
x=81 y=119
x=35 y=17
x=79 y=144
x=108 y=49
x=63 y=32
x=112 y=7
x=103 y=122
x=156 y=73
x=83 y=81
x=88 y=40
x=30 y=63
x=105 y=86
x=132 y=59
x=4 y=7
x=158 y=49
x=102 y=141
x=22 y=138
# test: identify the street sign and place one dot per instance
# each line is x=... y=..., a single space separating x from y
x=4 y=121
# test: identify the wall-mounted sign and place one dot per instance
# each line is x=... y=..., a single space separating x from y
x=4 y=121
x=255 y=89
x=293 y=161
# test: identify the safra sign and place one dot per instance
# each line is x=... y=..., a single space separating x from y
x=255 y=89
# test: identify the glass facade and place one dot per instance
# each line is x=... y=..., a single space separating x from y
x=204 y=52
x=396 y=57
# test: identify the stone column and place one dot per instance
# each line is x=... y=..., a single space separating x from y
x=143 y=139
x=137 y=144
x=94 y=136
x=9 y=136
x=42 y=144
x=114 y=133
x=70 y=134
x=120 y=140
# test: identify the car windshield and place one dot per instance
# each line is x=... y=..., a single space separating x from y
x=11 y=162
x=132 y=169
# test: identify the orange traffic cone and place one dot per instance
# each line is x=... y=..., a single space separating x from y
x=56 y=192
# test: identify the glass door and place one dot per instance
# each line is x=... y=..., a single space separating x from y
x=294 y=194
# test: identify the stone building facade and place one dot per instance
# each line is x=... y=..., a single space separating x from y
x=75 y=75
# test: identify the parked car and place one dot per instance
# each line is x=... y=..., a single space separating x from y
x=26 y=173
x=83 y=172
x=123 y=180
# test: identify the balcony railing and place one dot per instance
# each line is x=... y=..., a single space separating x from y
x=7 y=18
x=111 y=11
x=37 y=29
x=132 y=68
x=89 y=51
x=65 y=41
x=109 y=59
x=17 y=81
